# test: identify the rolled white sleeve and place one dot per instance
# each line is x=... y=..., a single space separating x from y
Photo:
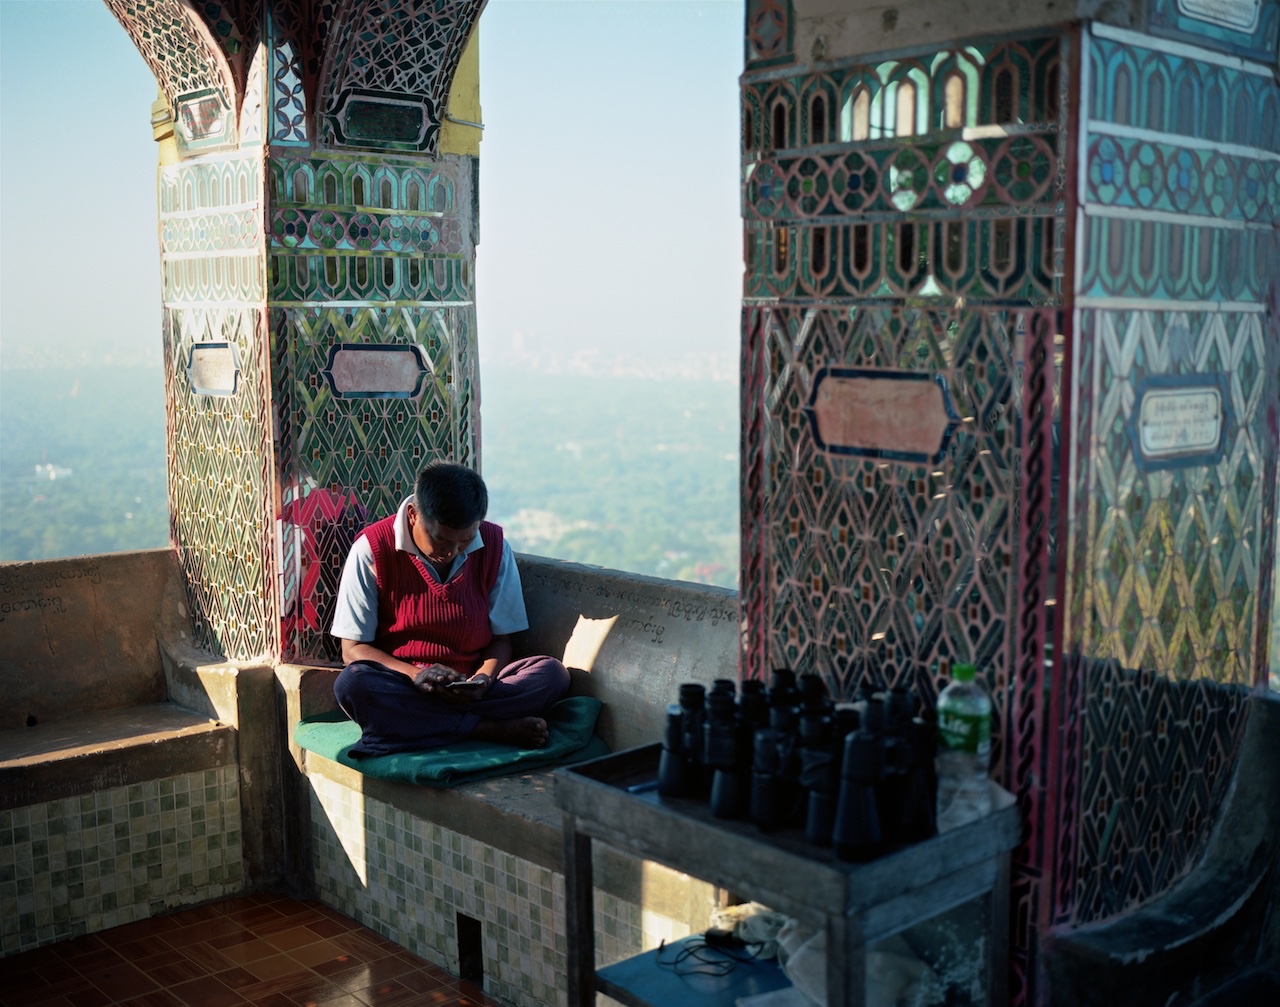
x=355 y=615
x=506 y=601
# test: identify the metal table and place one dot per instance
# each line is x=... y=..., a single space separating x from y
x=857 y=904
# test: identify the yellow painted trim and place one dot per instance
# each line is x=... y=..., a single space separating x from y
x=162 y=130
x=464 y=103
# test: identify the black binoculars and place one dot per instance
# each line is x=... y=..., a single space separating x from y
x=857 y=777
x=681 y=770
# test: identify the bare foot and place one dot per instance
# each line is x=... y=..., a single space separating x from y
x=522 y=732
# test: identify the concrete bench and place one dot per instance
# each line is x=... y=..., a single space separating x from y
x=115 y=803
x=417 y=863
x=154 y=775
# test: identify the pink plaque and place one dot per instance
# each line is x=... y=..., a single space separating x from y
x=899 y=415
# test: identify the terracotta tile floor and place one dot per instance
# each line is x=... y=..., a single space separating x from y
x=259 y=949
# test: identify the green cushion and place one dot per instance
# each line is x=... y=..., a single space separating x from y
x=571 y=738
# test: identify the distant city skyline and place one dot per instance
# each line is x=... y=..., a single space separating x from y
x=609 y=187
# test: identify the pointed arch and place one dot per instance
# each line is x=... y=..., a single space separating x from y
x=190 y=67
x=234 y=28
x=386 y=71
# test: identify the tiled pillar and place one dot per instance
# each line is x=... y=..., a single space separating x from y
x=319 y=217
x=1009 y=396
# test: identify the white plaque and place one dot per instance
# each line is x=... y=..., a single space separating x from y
x=1238 y=15
x=374 y=371
x=213 y=369
x=1178 y=421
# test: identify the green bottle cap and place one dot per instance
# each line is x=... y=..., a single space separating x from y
x=963 y=672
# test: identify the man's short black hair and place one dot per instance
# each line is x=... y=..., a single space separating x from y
x=453 y=495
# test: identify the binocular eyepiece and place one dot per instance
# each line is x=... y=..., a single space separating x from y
x=681 y=770
x=856 y=777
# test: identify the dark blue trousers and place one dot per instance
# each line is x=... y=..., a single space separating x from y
x=394 y=716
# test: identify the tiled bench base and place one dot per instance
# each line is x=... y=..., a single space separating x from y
x=409 y=879
x=83 y=864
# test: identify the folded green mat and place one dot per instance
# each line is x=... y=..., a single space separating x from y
x=571 y=738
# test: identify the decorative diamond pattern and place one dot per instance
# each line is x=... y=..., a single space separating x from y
x=362 y=252
x=178 y=53
x=907 y=568
x=396 y=48
x=1168 y=570
x=220 y=484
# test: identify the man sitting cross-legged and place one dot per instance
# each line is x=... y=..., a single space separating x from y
x=428 y=600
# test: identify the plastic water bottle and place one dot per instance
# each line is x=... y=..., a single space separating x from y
x=964 y=750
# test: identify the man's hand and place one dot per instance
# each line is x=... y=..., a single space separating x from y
x=435 y=678
x=451 y=686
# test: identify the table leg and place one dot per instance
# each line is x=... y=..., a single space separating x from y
x=579 y=915
x=846 y=963
x=998 y=967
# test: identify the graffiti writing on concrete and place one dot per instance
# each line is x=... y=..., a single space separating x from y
x=656 y=628
x=28 y=590
x=30 y=605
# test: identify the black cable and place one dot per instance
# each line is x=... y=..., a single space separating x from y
x=693 y=959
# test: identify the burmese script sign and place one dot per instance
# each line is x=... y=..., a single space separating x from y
x=898 y=415
x=1239 y=15
x=1179 y=420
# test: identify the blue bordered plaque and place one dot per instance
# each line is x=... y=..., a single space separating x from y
x=1180 y=420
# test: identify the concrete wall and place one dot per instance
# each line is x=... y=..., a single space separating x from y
x=628 y=640
x=79 y=635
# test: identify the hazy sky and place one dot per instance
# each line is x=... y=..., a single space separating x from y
x=609 y=195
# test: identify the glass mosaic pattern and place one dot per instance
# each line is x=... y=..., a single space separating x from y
x=768 y=35
x=394 y=50
x=84 y=864
x=178 y=53
x=1249 y=29
x=270 y=482
x=297 y=32
x=220 y=447
x=360 y=255
x=408 y=879
x=1168 y=568
x=905 y=218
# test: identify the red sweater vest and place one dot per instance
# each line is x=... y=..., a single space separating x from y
x=423 y=621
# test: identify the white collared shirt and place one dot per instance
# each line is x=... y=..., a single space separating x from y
x=356 y=605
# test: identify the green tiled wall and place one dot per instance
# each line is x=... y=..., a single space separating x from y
x=83 y=864
x=408 y=879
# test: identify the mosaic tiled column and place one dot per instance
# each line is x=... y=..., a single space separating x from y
x=1169 y=482
x=1009 y=386
x=318 y=218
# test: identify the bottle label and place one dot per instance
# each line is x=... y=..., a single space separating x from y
x=964 y=732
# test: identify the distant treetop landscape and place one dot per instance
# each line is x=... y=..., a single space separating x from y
x=635 y=474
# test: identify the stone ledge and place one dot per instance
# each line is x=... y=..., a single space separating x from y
x=517 y=814
x=112 y=748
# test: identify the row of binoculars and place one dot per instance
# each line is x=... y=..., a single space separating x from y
x=857 y=777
